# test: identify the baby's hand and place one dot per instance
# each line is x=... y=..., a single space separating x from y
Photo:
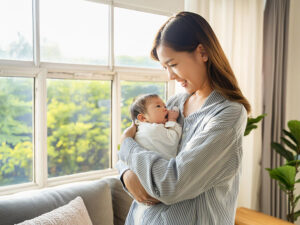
x=173 y=115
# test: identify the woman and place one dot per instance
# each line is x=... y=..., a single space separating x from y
x=200 y=185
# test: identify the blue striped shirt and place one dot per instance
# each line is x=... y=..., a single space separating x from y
x=199 y=186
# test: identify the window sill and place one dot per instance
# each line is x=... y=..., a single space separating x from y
x=51 y=182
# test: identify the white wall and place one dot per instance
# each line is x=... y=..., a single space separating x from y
x=293 y=72
x=293 y=78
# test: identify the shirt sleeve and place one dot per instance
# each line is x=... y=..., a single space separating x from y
x=210 y=158
x=122 y=168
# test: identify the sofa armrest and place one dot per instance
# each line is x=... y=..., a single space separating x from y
x=121 y=201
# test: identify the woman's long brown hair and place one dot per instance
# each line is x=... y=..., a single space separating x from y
x=184 y=32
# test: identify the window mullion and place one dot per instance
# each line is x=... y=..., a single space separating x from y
x=36 y=32
x=116 y=118
x=40 y=150
x=116 y=92
x=170 y=88
x=111 y=55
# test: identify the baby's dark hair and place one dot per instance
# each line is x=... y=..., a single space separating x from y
x=139 y=105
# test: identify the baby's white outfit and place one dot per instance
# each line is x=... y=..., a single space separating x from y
x=160 y=138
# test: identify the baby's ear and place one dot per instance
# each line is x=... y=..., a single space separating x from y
x=141 y=117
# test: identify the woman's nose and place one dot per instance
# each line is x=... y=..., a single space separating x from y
x=171 y=74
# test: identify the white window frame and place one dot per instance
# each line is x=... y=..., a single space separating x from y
x=40 y=71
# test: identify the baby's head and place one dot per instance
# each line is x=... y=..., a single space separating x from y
x=149 y=108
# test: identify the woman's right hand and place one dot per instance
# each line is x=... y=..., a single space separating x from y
x=135 y=187
x=129 y=132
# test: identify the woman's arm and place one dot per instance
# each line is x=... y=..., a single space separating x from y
x=211 y=158
x=129 y=179
x=133 y=186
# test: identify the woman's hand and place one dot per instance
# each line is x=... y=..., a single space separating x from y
x=134 y=186
x=129 y=132
x=131 y=180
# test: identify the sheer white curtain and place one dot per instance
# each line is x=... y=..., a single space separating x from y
x=238 y=25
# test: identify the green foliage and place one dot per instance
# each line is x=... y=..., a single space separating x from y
x=78 y=125
x=15 y=130
x=295 y=215
x=294 y=126
x=286 y=174
x=280 y=149
x=78 y=121
x=290 y=150
x=251 y=123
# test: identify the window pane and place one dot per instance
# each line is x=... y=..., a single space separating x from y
x=78 y=122
x=134 y=34
x=131 y=89
x=16 y=30
x=74 y=31
x=16 y=146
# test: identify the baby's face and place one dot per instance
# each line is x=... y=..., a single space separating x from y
x=156 y=111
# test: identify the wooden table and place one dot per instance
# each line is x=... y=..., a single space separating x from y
x=246 y=216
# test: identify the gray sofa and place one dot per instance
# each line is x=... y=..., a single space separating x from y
x=106 y=202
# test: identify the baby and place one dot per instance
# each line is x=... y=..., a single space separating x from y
x=157 y=131
x=157 y=127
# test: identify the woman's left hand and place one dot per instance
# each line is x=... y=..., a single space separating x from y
x=129 y=132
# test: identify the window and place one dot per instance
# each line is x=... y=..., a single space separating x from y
x=78 y=126
x=76 y=35
x=16 y=126
x=16 y=31
x=66 y=84
x=134 y=34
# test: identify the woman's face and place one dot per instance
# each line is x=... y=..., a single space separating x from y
x=187 y=68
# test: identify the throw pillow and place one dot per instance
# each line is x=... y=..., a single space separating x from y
x=74 y=213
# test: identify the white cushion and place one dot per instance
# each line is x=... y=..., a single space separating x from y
x=74 y=213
